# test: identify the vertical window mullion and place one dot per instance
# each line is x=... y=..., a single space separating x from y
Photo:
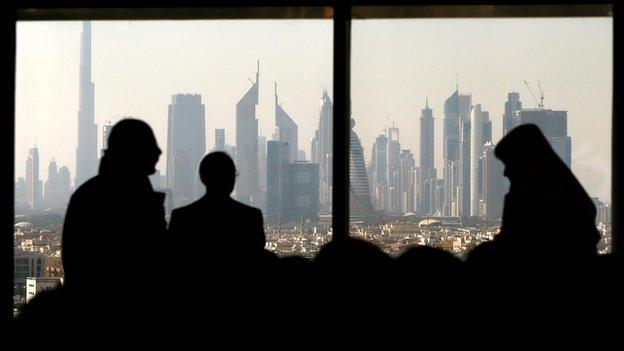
x=341 y=117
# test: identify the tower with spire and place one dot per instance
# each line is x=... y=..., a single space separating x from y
x=287 y=129
x=426 y=166
x=247 y=186
x=86 y=152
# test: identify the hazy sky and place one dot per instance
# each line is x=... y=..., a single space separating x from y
x=138 y=65
x=397 y=63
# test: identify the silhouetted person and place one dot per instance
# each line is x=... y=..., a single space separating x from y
x=216 y=225
x=115 y=221
x=548 y=235
x=545 y=199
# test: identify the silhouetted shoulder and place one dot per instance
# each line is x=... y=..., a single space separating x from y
x=180 y=211
x=242 y=207
x=88 y=187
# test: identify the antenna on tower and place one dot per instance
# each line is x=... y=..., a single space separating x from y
x=387 y=122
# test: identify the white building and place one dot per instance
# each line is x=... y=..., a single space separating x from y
x=35 y=285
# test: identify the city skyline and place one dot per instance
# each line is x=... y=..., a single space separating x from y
x=308 y=123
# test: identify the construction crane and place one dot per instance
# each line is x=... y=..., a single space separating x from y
x=540 y=103
x=539 y=84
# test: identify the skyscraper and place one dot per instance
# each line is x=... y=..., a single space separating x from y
x=512 y=105
x=324 y=151
x=277 y=179
x=56 y=191
x=492 y=179
x=106 y=129
x=554 y=125
x=33 y=184
x=426 y=158
x=262 y=161
x=247 y=144
x=456 y=111
x=481 y=133
x=358 y=178
x=393 y=171
x=407 y=179
x=314 y=147
x=186 y=145
x=301 y=155
x=379 y=170
x=50 y=184
x=303 y=192
x=219 y=140
x=86 y=152
x=261 y=202
x=20 y=193
x=287 y=128
x=463 y=185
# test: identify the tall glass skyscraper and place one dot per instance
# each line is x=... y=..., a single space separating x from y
x=512 y=105
x=247 y=185
x=186 y=145
x=426 y=159
x=393 y=194
x=456 y=112
x=287 y=129
x=219 y=140
x=481 y=133
x=379 y=170
x=358 y=177
x=33 y=184
x=86 y=152
x=324 y=151
x=277 y=180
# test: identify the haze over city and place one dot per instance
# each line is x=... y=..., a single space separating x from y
x=139 y=65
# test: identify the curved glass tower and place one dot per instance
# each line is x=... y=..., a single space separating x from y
x=361 y=204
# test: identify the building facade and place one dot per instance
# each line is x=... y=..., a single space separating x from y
x=286 y=128
x=186 y=145
x=33 y=183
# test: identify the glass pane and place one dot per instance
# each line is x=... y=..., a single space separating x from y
x=432 y=98
x=258 y=90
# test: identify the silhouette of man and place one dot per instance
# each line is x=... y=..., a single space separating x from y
x=115 y=220
x=228 y=230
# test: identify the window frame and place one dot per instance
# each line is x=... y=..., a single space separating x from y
x=341 y=12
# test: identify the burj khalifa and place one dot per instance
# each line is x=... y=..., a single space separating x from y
x=86 y=152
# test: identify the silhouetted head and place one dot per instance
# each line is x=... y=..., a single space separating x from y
x=132 y=148
x=526 y=154
x=218 y=173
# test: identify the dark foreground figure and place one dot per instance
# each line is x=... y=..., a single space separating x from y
x=113 y=232
x=542 y=265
